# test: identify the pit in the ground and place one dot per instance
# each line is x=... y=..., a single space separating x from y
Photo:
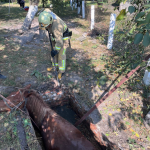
x=62 y=101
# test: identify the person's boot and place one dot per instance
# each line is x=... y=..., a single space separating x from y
x=52 y=69
x=2 y=77
x=60 y=75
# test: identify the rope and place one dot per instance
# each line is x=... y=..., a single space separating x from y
x=15 y=106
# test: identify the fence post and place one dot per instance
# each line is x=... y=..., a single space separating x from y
x=75 y=5
x=92 y=16
x=83 y=10
x=111 y=30
x=146 y=78
x=71 y=3
x=9 y=6
x=78 y=7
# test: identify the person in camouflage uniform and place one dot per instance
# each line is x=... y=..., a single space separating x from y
x=57 y=28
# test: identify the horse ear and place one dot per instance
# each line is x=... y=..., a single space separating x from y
x=28 y=86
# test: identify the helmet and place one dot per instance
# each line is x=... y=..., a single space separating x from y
x=45 y=19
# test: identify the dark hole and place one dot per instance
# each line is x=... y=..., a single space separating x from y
x=69 y=114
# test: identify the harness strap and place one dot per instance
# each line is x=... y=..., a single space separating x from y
x=7 y=104
x=15 y=106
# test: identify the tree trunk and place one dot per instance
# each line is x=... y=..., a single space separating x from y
x=30 y=15
x=29 y=18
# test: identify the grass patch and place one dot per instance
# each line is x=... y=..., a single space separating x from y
x=15 y=12
x=89 y=3
x=85 y=43
x=9 y=131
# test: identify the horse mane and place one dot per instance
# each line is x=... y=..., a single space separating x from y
x=35 y=103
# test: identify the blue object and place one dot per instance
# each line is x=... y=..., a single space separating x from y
x=2 y=77
x=26 y=7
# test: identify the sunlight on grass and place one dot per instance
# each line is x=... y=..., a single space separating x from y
x=2 y=47
x=5 y=56
x=89 y=3
x=15 y=12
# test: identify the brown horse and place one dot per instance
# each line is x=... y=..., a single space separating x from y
x=57 y=133
x=13 y=100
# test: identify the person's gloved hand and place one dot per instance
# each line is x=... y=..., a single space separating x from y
x=54 y=52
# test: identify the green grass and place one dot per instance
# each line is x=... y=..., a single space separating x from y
x=9 y=134
x=15 y=12
x=89 y=3
x=85 y=43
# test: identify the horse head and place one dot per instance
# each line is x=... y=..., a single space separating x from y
x=13 y=100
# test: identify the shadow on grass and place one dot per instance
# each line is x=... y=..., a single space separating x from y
x=99 y=33
x=18 y=62
x=115 y=122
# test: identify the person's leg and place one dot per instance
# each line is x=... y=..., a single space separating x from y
x=55 y=58
x=62 y=58
x=23 y=4
x=20 y=5
x=56 y=61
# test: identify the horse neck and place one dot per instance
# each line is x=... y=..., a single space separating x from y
x=37 y=108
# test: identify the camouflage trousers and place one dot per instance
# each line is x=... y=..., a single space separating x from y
x=60 y=58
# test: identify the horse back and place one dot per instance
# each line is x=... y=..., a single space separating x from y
x=59 y=134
